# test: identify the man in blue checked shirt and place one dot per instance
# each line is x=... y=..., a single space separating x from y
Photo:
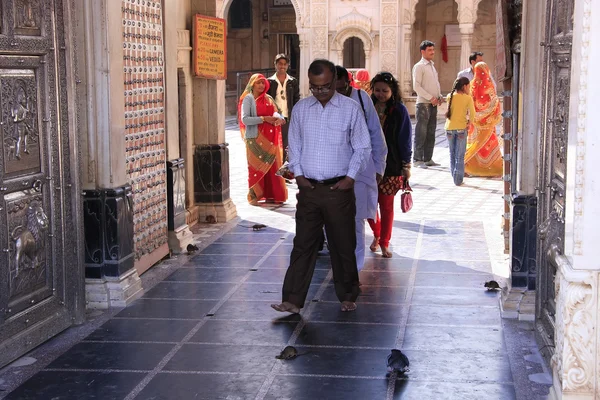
x=329 y=145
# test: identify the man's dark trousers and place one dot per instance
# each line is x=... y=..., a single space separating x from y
x=335 y=209
x=284 y=137
x=425 y=132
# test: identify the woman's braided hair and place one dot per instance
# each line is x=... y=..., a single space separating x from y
x=459 y=84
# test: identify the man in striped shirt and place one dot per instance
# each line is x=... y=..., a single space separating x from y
x=329 y=145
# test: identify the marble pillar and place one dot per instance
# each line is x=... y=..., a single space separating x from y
x=304 y=63
x=208 y=133
x=406 y=79
x=111 y=279
x=466 y=40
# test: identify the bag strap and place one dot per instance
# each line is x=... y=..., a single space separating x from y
x=362 y=104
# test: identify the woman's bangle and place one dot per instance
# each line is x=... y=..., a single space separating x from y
x=262 y=119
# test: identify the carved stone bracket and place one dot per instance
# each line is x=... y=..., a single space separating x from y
x=574 y=355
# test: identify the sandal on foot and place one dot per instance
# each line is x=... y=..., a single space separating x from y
x=348 y=306
x=286 y=307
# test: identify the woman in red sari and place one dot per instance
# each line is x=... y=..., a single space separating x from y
x=264 y=149
x=483 y=156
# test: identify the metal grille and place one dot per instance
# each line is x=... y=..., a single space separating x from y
x=143 y=61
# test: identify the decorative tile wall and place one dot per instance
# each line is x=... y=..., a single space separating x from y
x=143 y=59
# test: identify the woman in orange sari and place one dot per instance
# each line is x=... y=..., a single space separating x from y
x=363 y=80
x=264 y=148
x=483 y=156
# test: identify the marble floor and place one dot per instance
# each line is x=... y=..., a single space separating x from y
x=207 y=332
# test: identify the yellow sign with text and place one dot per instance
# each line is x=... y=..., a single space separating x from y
x=210 y=47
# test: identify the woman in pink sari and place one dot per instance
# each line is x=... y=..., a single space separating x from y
x=261 y=131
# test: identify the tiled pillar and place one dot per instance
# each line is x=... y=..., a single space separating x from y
x=111 y=279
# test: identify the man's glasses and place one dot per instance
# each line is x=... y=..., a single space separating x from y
x=320 y=89
x=282 y=95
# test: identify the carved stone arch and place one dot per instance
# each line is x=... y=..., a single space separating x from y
x=410 y=12
x=353 y=31
x=223 y=11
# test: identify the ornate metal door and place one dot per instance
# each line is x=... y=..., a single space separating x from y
x=552 y=169
x=38 y=267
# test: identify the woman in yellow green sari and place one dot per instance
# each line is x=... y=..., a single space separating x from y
x=483 y=156
x=261 y=131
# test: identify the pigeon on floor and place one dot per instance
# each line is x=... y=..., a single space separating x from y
x=191 y=248
x=397 y=362
x=491 y=285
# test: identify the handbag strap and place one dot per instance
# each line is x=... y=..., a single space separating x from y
x=362 y=104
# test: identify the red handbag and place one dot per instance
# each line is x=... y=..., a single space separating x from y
x=406 y=201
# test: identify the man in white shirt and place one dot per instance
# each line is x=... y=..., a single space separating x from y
x=468 y=73
x=329 y=147
x=365 y=187
x=285 y=90
x=427 y=85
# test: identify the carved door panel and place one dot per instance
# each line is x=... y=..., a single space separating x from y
x=553 y=154
x=34 y=280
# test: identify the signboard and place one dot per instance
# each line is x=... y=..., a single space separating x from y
x=210 y=47
x=503 y=54
x=452 y=35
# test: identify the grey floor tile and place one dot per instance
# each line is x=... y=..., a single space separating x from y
x=209 y=274
x=442 y=266
x=77 y=385
x=252 y=310
x=321 y=388
x=450 y=366
x=125 y=356
x=224 y=358
x=166 y=386
x=344 y=362
x=442 y=315
x=365 y=313
x=223 y=260
x=243 y=249
x=454 y=296
x=245 y=332
x=259 y=237
x=449 y=280
x=373 y=294
x=384 y=278
x=409 y=389
x=440 y=338
x=338 y=334
x=267 y=292
x=142 y=330
x=153 y=308
x=189 y=290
